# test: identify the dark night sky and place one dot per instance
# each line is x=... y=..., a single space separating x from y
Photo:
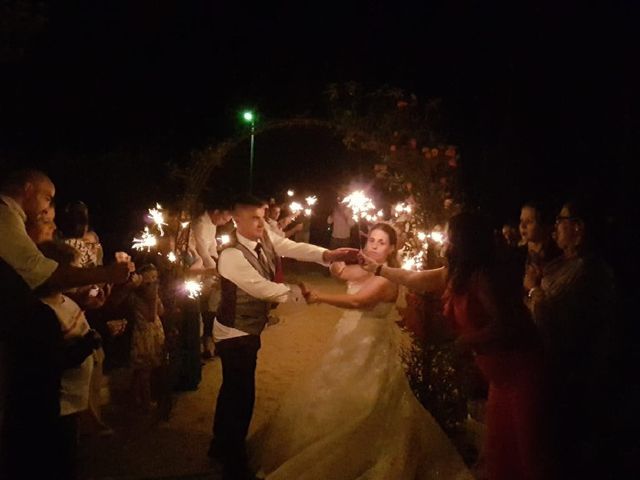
x=111 y=90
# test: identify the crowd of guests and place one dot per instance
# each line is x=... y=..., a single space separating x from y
x=534 y=309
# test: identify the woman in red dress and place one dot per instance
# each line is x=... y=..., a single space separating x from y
x=485 y=309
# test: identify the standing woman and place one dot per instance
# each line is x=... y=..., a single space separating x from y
x=485 y=308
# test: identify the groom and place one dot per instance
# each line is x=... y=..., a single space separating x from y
x=247 y=268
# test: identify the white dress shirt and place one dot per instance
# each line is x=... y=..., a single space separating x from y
x=204 y=233
x=238 y=270
x=74 y=384
x=18 y=250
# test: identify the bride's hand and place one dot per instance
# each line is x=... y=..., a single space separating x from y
x=309 y=295
x=367 y=263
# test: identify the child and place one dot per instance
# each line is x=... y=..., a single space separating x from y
x=79 y=342
x=147 y=343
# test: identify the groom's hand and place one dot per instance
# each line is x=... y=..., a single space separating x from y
x=367 y=263
x=346 y=255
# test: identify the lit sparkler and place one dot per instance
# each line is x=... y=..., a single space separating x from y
x=414 y=262
x=437 y=237
x=401 y=208
x=157 y=215
x=224 y=239
x=295 y=207
x=360 y=204
x=184 y=224
x=146 y=240
x=291 y=193
x=311 y=200
x=172 y=257
x=193 y=288
x=308 y=212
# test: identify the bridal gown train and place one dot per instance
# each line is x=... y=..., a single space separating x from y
x=354 y=415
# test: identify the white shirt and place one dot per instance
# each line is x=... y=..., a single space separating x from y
x=74 y=384
x=204 y=233
x=18 y=250
x=238 y=270
x=342 y=224
x=275 y=228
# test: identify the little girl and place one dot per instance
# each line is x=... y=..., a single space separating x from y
x=147 y=344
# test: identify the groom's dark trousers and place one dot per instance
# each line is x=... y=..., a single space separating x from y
x=236 y=398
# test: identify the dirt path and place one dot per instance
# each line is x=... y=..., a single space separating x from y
x=144 y=448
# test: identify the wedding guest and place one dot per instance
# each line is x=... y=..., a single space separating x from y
x=43 y=228
x=485 y=308
x=147 y=346
x=33 y=376
x=80 y=341
x=573 y=304
x=204 y=230
x=73 y=229
x=536 y=226
x=341 y=224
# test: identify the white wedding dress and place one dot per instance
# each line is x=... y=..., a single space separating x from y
x=354 y=416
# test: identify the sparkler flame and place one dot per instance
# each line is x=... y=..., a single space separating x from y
x=172 y=257
x=157 y=215
x=146 y=240
x=401 y=208
x=184 y=224
x=360 y=204
x=311 y=200
x=437 y=237
x=224 y=239
x=295 y=207
x=193 y=288
x=414 y=262
x=290 y=193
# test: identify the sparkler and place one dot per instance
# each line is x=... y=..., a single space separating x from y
x=437 y=237
x=291 y=193
x=311 y=200
x=401 y=208
x=193 y=288
x=414 y=262
x=295 y=207
x=223 y=239
x=172 y=257
x=146 y=240
x=184 y=224
x=157 y=215
x=308 y=212
x=361 y=206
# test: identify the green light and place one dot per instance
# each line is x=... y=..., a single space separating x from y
x=248 y=116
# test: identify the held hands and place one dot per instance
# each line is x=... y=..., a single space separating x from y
x=310 y=296
x=346 y=255
x=367 y=263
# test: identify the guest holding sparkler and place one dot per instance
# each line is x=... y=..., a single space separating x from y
x=204 y=230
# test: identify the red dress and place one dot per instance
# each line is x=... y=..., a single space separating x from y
x=513 y=413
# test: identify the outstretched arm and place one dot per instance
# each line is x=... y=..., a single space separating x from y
x=373 y=292
x=425 y=281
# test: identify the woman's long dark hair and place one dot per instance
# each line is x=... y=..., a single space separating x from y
x=471 y=248
x=392 y=260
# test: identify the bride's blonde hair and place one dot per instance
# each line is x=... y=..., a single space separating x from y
x=392 y=258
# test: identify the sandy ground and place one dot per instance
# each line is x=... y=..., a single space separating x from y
x=143 y=447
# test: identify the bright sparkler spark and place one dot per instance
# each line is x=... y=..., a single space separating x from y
x=146 y=240
x=193 y=288
x=437 y=237
x=308 y=212
x=157 y=215
x=422 y=236
x=413 y=263
x=295 y=207
x=360 y=204
x=311 y=200
x=184 y=224
x=172 y=257
x=401 y=208
x=224 y=239
x=290 y=193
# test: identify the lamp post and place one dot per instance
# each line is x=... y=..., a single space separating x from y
x=249 y=117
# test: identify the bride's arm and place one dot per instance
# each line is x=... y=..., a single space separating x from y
x=373 y=292
x=346 y=273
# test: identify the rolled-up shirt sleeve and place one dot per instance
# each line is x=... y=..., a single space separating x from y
x=19 y=251
x=305 y=252
x=235 y=268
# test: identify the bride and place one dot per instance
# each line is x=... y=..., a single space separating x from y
x=354 y=416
